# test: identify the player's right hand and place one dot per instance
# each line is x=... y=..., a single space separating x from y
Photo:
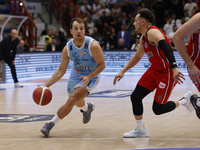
x=194 y=74
x=118 y=77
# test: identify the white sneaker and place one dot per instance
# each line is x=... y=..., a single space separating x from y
x=188 y=105
x=136 y=133
x=17 y=85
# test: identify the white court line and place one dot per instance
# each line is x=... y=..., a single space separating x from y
x=53 y=138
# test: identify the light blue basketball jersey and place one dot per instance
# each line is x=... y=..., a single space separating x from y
x=82 y=57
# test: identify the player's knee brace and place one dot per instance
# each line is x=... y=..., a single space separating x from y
x=159 y=109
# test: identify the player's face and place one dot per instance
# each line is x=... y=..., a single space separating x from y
x=78 y=30
x=137 y=23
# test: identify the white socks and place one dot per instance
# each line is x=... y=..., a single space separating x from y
x=55 y=119
x=85 y=107
x=140 y=124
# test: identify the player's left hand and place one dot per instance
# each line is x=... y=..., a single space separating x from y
x=177 y=75
x=85 y=81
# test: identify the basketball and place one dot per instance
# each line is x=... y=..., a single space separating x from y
x=42 y=95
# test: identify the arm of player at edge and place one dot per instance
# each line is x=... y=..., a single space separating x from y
x=185 y=31
x=131 y=63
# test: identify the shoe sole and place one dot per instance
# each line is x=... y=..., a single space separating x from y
x=193 y=101
x=45 y=133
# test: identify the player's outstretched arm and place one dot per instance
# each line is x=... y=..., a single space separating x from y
x=61 y=70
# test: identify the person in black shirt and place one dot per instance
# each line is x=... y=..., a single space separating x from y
x=8 y=49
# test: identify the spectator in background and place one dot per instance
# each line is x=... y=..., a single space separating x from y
x=20 y=46
x=160 y=13
x=107 y=30
x=116 y=9
x=41 y=38
x=104 y=9
x=124 y=34
x=95 y=35
x=134 y=47
x=126 y=7
x=132 y=37
x=118 y=25
x=130 y=27
x=53 y=46
x=113 y=39
x=8 y=49
x=189 y=7
x=90 y=25
x=85 y=8
x=177 y=8
x=48 y=38
x=110 y=3
x=186 y=16
x=171 y=34
x=20 y=37
x=120 y=45
x=113 y=19
x=26 y=45
x=62 y=39
x=125 y=20
x=95 y=11
x=99 y=26
x=55 y=34
x=105 y=18
x=168 y=27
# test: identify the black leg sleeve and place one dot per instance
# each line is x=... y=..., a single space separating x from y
x=136 y=98
x=159 y=109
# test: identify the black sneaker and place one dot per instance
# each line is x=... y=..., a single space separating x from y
x=87 y=114
x=46 y=128
x=194 y=98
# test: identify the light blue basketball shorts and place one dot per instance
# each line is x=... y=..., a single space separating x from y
x=75 y=82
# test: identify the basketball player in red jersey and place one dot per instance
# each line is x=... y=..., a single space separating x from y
x=191 y=56
x=162 y=75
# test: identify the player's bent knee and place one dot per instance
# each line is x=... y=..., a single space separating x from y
x=71 y=101
x=158 y=109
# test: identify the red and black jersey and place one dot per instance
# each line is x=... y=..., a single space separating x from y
x=156 y=55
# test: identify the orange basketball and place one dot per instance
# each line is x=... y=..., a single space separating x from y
x=42 y=95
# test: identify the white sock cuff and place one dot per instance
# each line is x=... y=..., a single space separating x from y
x=55 y=119
x=85 y=107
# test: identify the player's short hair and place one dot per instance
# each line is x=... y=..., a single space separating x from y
x=147 y=14
x=79 y=20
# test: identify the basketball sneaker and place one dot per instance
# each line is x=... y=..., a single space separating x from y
x=17 y=85
x=87 y=114
x=195 y=100
x=188 y=104
x=136 y=133
x=46 y=128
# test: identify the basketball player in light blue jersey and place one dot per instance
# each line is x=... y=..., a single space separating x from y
x=88 y=59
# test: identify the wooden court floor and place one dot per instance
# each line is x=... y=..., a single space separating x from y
x=111 y=118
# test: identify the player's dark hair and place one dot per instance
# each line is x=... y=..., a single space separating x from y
x=147 y=14
x=79 y=20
